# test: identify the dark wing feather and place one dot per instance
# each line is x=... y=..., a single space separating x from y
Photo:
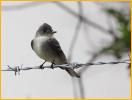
x=54 y=45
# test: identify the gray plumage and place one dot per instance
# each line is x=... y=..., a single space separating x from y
x=48 y=48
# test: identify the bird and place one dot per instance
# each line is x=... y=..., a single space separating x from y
x=46 y=46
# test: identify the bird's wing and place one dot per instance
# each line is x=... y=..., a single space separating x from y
x=54 y=45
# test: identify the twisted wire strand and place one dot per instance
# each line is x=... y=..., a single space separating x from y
x=17 y=69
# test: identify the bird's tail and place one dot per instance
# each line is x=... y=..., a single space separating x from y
x=72 y=73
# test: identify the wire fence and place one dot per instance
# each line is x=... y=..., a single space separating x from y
x=17 y=69
x=82 y=20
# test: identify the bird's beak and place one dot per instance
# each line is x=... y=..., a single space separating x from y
x=54 y=32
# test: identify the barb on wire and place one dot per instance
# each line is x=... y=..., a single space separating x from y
x=17 y=69
x=78 y=90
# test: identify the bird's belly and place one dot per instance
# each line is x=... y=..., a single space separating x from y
x=42 y=50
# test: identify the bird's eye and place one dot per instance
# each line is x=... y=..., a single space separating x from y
x=45 y=29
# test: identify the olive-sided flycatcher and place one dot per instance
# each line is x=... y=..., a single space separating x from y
x=48 y=48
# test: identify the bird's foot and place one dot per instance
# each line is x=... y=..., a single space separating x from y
x=52 y=65
x=41 y=66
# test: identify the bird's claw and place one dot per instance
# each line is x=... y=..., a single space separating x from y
x=41 y=66
x=52 y=65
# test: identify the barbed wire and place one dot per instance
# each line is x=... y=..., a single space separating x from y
x=17 y=69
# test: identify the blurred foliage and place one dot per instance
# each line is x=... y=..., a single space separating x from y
x=122 y=43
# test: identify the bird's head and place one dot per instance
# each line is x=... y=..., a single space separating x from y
x=45 y=30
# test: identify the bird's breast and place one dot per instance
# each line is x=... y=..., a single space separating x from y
x=39 y=47
x=43 y=49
